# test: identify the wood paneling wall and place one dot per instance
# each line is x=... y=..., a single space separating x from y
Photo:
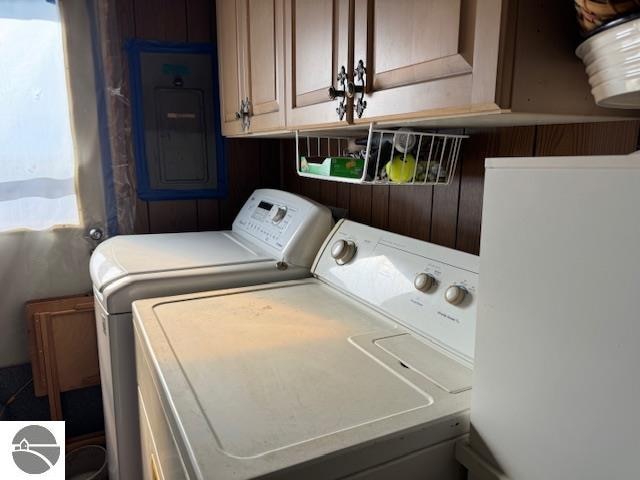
x=251 y=163
x=451 y=215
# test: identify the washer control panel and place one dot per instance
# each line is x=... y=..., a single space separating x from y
x=268 y=220
x=430 y=289
x=283 y=223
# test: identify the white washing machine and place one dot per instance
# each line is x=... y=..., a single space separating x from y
x=363 y=372
x=274 y=237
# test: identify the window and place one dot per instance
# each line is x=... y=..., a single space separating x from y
x=37 y=165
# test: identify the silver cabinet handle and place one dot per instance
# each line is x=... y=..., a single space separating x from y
x=244 y=114
x=359 y=73
x=341 y=94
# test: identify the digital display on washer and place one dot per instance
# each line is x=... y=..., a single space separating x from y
x=265 y=205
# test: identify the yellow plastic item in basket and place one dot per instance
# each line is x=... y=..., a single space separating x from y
x=400 y=169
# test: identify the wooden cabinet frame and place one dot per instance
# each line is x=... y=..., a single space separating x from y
x=251 y=58
x=487 y=63
x=314 y=108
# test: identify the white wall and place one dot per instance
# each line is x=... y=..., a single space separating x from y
x=35 y=265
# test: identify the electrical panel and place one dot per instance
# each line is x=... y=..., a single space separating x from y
x=179 y=150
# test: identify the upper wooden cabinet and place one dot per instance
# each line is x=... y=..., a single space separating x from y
x=436 y=60
x=425 y=62
x=317 y=46
x=229 y=67
x=251 y=64
x=418 y=55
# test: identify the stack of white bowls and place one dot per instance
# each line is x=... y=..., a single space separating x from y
x=612 y=58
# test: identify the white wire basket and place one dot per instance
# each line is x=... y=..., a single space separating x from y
x=381 y=157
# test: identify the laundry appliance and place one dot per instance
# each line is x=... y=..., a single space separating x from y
x=362 y=372
x=555 y=384
x=274 y=237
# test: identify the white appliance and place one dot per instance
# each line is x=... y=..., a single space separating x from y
x=555 y=384
x=274 y=237
x=361 y=372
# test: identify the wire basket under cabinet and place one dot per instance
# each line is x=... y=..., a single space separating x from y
x=381 y=157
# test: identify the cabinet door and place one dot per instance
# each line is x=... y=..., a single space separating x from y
x=229 y=66
x=263 y=56
x=316 y=35
x=418 y=55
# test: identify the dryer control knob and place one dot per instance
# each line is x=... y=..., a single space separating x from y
x=423 y=282
x=343 y=251
x=455 y=294
x=277 y=214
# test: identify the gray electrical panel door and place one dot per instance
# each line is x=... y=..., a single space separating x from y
x=178 y=115
x=181 y=138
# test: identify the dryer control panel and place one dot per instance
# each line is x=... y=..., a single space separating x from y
x=288 y=226
x=428 y=288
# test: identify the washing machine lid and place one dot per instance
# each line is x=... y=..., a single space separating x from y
x=275 y=375
x=127 y=255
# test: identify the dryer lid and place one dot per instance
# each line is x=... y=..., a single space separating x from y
x=274 y=367
x=125 y=255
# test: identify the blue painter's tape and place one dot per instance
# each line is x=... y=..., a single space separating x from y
x=134 y=48
x=111 y=206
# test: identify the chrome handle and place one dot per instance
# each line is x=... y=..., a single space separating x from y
x=342 y=76
x=244 y=113
x=334 y=93
x=359 y=73
x=352 y=89
x=360 y=105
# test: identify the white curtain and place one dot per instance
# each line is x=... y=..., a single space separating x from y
x=37 y=161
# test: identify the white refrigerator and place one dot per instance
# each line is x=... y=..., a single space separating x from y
x=556 y=387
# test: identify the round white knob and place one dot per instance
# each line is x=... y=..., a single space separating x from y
x=423 y=282
x=455 y=294
x=343 y=251
x=278 y=213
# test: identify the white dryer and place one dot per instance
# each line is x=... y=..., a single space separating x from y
x=274 y=237
x=362 y=372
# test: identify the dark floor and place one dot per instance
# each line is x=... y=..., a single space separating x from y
x=82 y=409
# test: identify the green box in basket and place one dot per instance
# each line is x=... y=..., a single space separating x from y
x=346 y=167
